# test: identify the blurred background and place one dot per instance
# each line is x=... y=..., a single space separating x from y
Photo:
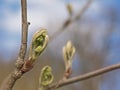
x=93 y=27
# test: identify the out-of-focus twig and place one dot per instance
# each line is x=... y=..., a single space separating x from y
x=86 y=6
x=70 y=20
x=16 y=74
x=84 y=76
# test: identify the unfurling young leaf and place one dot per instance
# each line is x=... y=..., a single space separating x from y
x=68 y=53
x=46 y=76
x=38 y=44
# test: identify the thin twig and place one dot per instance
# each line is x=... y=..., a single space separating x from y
x=85 y=76
x=9 y=82
x=86 y=6
x=69 y=20
x=23 y=47
x=24 y=29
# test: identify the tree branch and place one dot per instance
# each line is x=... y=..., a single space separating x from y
x=69 y=20
x=86 y=6
x=23 y=47
x=24 y=29
x=84 y=76
x=9 y=82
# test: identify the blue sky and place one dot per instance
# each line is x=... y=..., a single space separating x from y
x=38 y=15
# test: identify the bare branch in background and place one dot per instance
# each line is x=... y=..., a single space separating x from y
x=86 y=6
x=85 y=76
x=16 y=74
x=69 y=20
